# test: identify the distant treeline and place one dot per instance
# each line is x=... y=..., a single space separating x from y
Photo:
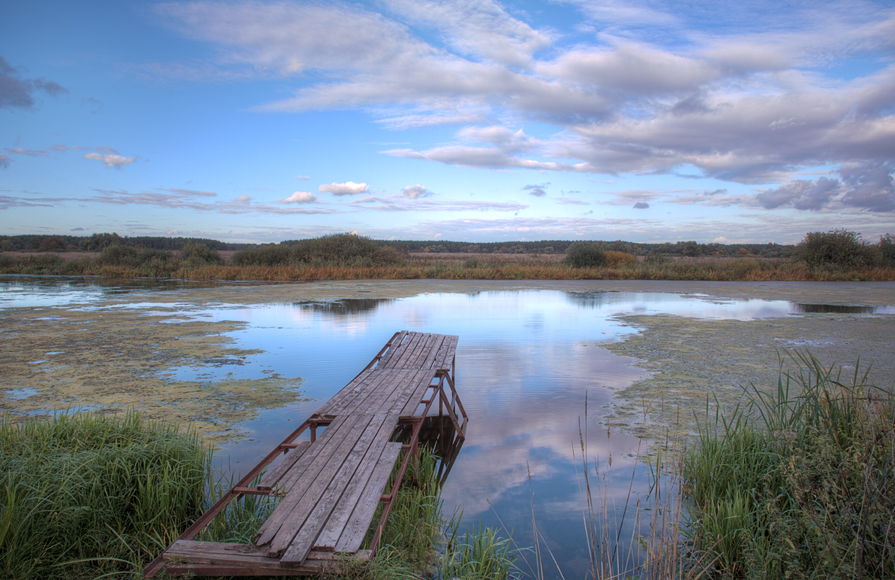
x=305 y=251
x=97 y=242
x=690 y=248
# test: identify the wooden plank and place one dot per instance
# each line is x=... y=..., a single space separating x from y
x=395 y=348
x=347 y=393
x=351 y=400
x=312 y=489
x=271 y=478
x=445 y=358
x=359 y=523
x=407 y=347
x=432 y=351
x=363 y=478
x=414 y=360
x=312 y=463
x=306 y=537
x=424 y=380
x=216 y=553
x=225 y=559
x=383 y=400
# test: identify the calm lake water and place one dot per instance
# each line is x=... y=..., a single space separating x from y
x=526 y=363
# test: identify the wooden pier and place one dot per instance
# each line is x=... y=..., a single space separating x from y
x=330 y=485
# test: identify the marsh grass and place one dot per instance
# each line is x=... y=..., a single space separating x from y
x=275 y=264
x=634 y=538
x=419 y=542
x=800 y=482
x=87 y=494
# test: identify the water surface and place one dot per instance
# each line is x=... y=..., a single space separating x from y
x=527 y=363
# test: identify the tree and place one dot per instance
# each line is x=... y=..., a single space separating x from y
x=585 y=255
x=838 y=248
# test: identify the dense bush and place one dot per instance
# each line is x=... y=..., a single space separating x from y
x=266 y=255
x=585 y=255
x=334 y=250
x=196 y=253
x=616 y=259
x=838 y=248
x=887 y=250
x=345 y=250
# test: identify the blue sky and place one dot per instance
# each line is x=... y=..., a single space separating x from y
x=640 y=120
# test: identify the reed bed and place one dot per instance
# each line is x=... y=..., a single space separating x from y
x=618 y=266
x=87 y=494
x=798 y=483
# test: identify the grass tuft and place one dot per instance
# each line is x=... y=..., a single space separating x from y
x=799 y=483
x=85 y=494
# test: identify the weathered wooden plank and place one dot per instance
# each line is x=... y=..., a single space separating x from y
x=395 y=349
x=445 y=358
x=407 y=347
x=304 y=540
x=358 y=385
x=359 y=523
x=383 y=400
x=216 y=553
x=371 y=382
x=423 y=381
x=414 y=359
x=313 y=488
x=225 y=559
x=307 y=471
x=362 y=479
x=270 y=479
x=432 y=351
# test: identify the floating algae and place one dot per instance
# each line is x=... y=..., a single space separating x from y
x=106 y=358
x=696 y=361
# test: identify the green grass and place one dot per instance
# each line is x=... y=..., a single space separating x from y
x=86 y=494
x=799 y=483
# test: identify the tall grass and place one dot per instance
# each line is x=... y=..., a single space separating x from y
x=634 y=539
x=419 y=542
x=85 y=494
x=799 y=483
x=279 y=263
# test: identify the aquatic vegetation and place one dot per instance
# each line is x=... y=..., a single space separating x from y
x=84 y=494
x=800 y=482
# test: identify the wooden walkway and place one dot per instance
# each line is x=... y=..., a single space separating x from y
x=330 y=485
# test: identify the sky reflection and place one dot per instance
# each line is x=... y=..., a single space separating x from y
x=526 y=363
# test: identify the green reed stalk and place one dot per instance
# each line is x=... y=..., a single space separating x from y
x=86 y=493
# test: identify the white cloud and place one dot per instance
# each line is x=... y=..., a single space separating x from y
x=111 y=160
x=400 y=203
x=650 y=91
x=347 y=188
x=242 y=199
x=4 y=160
x=299 y=197
x=416 y=191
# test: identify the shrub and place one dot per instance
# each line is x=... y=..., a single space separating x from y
x=838 y=248
x=887 y=250
x=118 y=255
x=199 y=254
x=267 y=255
x=616 y=259
x=344 y=250
x=585 y=255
